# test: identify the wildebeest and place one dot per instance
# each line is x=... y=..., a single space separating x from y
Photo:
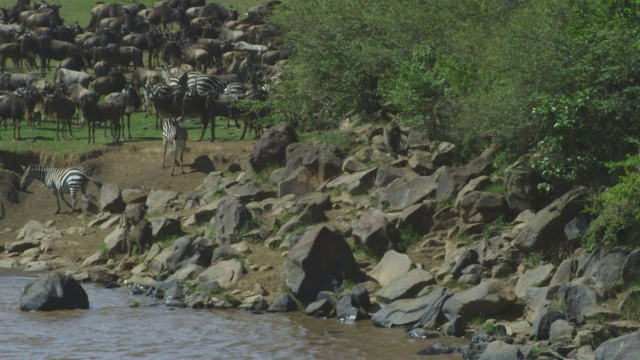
x=163 y=15
x=116 y=55
x=140 y=77
x=48 y=16
x=62 y=109
x=66 y=77
x=103 y=11
x=47 y=48
x=10 y=81
x=77 y=62
x=100 y=111
x=166 y=101
x=104 y=85
x=128 y=101
x=12 y=107
x=151 y=41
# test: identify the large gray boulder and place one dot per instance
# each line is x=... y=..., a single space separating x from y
x=537 y=277
x=272 y=146
x=111 y=199
x=400 y=194
x=452 y=179
x=625 y=347
x=500 y=350
x=542 y=232
x=226 y=273
x=249 y=190
x=163 y=226
x=578 y=299
x=355 y=183
x=521 y=191
x=631 y=267
x=488 y=298
x=420 y=312
x=320 y=260
x=171 y=258
x=324 y=161
x=405 y=286
x=376 y=233
x=231 y=216
x=606 y=265
x=54 y=291
x=392 y=265
x=159 y=200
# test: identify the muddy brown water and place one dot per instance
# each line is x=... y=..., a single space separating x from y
x=111 y=329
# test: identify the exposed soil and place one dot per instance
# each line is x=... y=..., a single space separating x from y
x=132 y=166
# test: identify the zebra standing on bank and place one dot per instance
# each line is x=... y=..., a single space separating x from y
x=174 y=132
x=60 y=181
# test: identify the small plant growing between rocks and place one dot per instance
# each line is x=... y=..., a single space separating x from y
x=494 y=228
x=408 y=237
x=532 y=260
x=102 y=247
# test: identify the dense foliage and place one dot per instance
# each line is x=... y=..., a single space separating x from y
x=556 y=82
x=554 y=79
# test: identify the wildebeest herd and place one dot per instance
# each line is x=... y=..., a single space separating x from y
x=202 y=63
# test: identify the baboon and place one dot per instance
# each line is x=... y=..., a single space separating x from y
x=138 y=230
x=392 y=137
x=140 y=235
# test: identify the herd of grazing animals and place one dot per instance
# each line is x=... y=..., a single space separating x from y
x=209 y=60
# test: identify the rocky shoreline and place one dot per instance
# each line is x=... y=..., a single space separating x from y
x=346 y=230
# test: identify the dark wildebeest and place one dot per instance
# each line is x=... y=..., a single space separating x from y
x=12 y=107
x=116 y=55
x=10 y=81
x=128 y=101
x=66 y=77
x=47 y=48
x=62 y=109
x=105 y=85
x=100 y=111
x=48 y=16
x=163 y=15
x=151 y=41
x=77 y=62
x=103 y=11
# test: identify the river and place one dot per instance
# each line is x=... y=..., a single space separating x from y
x=112 y=329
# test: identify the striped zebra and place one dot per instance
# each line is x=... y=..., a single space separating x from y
x=60 y=181
x=174 y=132
x=203 y=83
x=176 y=79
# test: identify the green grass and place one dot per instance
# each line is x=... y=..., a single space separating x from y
x=408 y=237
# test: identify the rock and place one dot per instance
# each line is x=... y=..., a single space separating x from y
x=565 y=272
x=284 y=303
x=629 y=305
x=226 y=273
x=577 y=227
x=298 y=181
x=203 y=164
x=631 y=267
x=606 y=265
x=111 y=199
x=320 y=260
x=452 y=179
x=356 y=183
x=482 y=207
x=360 y=297
x=164 y=227
x=488 y=298
x=521 y=191
x=476 y=184
x=419 y=217
x=187 y=272
x=468 y=257
x=170 y=258
x=561 y=330
x=224 y=253
x=626 y=347
x=320 y=308
x=21 y=246
x=578 y=299
x=421 y=312
x=89 y=205
x=159 y=200
x=392 y=265
x=537 y=277
x=352 y=165
x=386 y=176
x=98 y=258
x=401 y=194
x=499 y=350
x=346 y=311
x=271 y=148
x=545 y=317
x=248 y=191
x=115 y=241
x=405 y=286
x=375 y=232
x=36 y=231
x=420 y=162
x=454 y=327
x=444 y=153
x=322 y=160
x=230 y=217
x=541 y=233
x=53 y=291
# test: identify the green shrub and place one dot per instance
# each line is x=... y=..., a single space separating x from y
x=408 y=237
x=616 y=210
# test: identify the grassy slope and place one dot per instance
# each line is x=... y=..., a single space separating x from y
x=141 y=129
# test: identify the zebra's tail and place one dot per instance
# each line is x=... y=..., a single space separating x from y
x=95 y=181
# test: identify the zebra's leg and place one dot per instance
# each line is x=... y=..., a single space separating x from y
x=182 y=156
x=175 y=156
x=74 y=200
x=205 y=123
x=164 y=151
x=129 y=124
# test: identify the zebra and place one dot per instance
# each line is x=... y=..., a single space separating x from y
x=172 y=130
x=60 y=181
x=202 y=83
x=178 y=79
